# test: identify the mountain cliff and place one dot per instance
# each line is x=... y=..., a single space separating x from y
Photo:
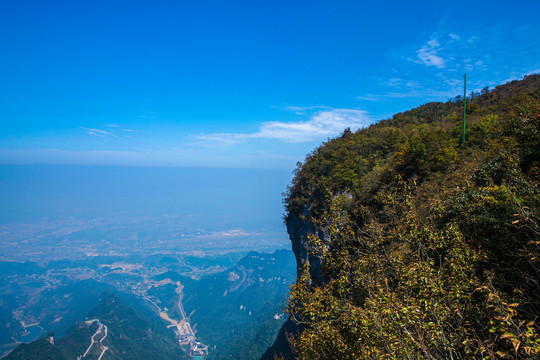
x=411 y=243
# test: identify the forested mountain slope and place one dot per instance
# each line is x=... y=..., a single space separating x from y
x=238 y=312
x=121 y=334
x=410 y=244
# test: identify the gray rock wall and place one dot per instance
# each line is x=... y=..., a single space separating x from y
x=299 y=230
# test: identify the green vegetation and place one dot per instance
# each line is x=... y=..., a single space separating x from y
x=234 y=310
x=128 y=337
x=428 y=250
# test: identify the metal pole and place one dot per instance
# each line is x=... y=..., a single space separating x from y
x=464 y=108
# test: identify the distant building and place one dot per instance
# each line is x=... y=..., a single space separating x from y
x=198 y=351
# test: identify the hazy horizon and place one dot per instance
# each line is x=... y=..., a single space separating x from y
x=194 y=208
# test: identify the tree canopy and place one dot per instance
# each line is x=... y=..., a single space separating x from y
x=429 y=250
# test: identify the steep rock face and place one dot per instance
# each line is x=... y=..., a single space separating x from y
x=299 y=231
x=281 y=347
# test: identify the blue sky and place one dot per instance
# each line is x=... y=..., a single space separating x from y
x=240 y=84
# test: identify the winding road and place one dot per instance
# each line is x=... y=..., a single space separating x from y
x=101 y=329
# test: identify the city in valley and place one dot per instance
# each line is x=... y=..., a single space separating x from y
x=55 y=272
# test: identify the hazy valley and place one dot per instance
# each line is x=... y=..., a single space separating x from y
x=225 y=307
x=269 y=180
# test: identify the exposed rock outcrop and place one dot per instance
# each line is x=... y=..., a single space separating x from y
x=281 y=346
x=299 y=230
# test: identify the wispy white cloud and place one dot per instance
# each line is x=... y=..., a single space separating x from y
x=301 y=110
x=432 y=69
x=428 y=54
x=98 y=132
x=113 y=132
x=535 y=71
x=369 y=97
x=391 y=95
x=398 y=82
x=221 y=139
x=394 y=82
x=322 y=124
x=147 y=114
